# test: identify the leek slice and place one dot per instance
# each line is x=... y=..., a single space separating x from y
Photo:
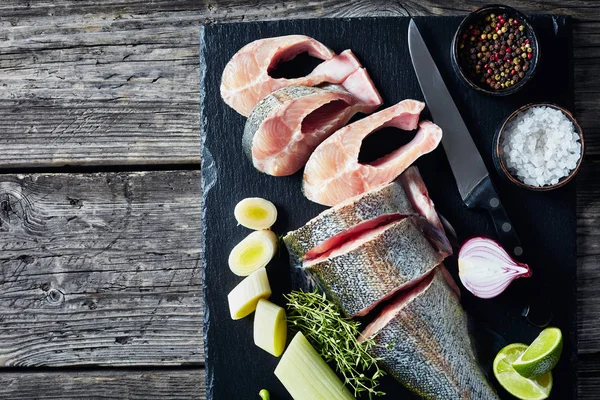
x=255 y=213
x=270 y=327
x=252 y=253
x=244 y=297
x=306 y=376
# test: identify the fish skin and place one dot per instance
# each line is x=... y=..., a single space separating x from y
x=389 y=199
x=265 y=106
x=333 y=172
x=426 y=345
x=392 y=198
x=274 y=136
x=436 y=237
x=246 y=80
x=389 y=258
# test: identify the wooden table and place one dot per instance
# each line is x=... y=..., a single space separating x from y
x=100 y=216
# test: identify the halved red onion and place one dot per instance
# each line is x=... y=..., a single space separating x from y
x=486 y=269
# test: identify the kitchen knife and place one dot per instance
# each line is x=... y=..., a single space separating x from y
x=472 y=178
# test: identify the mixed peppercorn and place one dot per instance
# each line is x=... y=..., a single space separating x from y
x=496 y=52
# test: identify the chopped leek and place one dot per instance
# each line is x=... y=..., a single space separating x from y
x=306 y=376
x=255 y=213
x=244 y=297
x=264 y=394
x=270 y=327
x=252 y=253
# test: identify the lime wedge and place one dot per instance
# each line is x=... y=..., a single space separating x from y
x=520 y=387
x=542 y=355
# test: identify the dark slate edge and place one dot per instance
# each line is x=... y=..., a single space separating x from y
x=208 y=179
x=566 y=22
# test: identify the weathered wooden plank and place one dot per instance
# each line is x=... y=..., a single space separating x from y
x=589 y=377
x=100 y=269
x=103 y=89
x=587 y=81
x=588 y=233
x=235 y=9
x=162 y=384
x=118 y=83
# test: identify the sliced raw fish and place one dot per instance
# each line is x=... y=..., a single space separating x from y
x=246 y=78
x=333 y=173
x=419 y=196
x=371 y=266
x=286 y=126
x=423 y=342
x=361 y=212
x=360 y=85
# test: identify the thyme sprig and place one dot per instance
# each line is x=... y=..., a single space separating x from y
x=336 y=339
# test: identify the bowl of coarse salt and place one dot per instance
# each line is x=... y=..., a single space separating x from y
x=539 y=147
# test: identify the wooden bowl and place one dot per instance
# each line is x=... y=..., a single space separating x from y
x=501 y=165
x=463 y=27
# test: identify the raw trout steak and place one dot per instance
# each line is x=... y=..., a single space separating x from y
x=424 y=343
x=246 y=78
x=407 y=195
x=333 y=172
x=415 y=188
x=373 y=265
x=286 y=126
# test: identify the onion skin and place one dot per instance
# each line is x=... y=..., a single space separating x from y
x=486 y=269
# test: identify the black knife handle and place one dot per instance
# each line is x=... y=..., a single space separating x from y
x=484 y=196
x=537 y=309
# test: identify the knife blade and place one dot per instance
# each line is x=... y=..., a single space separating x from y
x=465 y=161
x=472 y=178
x=471 y=175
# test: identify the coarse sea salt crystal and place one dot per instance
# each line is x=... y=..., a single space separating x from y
x=540 y=146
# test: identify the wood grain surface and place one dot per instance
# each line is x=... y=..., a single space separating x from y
x=156 y=384
x=100 y=269
x=588 y=251
x=117 y=83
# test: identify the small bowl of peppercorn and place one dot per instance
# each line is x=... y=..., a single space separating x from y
x=495 y=50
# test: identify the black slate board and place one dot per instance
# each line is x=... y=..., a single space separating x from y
x=236 y=369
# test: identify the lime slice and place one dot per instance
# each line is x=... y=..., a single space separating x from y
x=520 y=387
x=542 y=355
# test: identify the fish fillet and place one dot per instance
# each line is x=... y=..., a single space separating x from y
x=419 y=196
x=286 y=126
x=424 y=343
x=333 y=172
x=407 y=195
x=370 y=267
x=246 y=78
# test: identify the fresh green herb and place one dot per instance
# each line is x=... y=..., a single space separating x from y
x=336 y=339
x=264 y=394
